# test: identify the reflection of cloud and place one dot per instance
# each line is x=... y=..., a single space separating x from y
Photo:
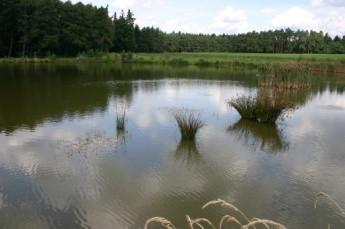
x=143 y=120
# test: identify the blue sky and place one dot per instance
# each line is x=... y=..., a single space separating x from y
x=231 y=16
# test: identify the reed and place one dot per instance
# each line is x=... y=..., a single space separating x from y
x=188 y=122
x=205 y=223
x=260 y=109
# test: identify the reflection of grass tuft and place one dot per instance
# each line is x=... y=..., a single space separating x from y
x=187 y=151
x=265 y=136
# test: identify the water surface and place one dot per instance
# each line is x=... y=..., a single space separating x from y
x=63 y=164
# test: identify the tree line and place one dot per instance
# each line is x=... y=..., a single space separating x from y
x=52 y=27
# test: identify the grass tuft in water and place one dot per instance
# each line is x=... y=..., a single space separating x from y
x=188 y=122
x=265 y=107
x=252 y=108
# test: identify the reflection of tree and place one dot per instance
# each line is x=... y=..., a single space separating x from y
x=267 y=137
x=123 y=92
x=30 y=96
x=187 y=151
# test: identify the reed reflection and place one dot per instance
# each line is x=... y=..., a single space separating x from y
x=187 y=152
x=263 y=136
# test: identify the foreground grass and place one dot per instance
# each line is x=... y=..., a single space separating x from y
x=236 y=217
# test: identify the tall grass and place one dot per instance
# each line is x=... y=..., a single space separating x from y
x=266 y=106
x=241 y=220
x=260 y=109
x=188 y=122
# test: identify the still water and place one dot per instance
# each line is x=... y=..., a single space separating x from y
x=63 y=164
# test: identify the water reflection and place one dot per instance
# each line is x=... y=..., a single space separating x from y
x=263 y=136
x=187 y=152
x=69 y=170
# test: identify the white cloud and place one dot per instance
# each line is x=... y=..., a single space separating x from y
x=126 y=4
x=268 y=11
x=183 y=24
x=231 y=20
x=334 y=23
x=296 y=18
x=336 y=3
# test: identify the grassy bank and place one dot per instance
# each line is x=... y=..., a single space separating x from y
x=266 y=62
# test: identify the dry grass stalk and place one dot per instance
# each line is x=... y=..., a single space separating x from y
x=198 y=222
x=162 y=221
x=188 y=122
x=226 y=205
x=327 y=196
x=267 y=223
x=229 y=219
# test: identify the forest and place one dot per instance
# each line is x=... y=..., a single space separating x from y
x=39 y=28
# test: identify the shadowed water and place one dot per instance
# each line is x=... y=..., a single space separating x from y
x=65 y=164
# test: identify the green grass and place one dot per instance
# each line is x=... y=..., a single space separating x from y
x=266 y=62
x=219 y=58
x=275 y=63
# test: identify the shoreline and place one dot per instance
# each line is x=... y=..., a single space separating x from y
x=318 y=63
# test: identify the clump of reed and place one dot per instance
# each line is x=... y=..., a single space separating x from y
x=285 y=82
x=241 y=220
x=188 y=122
x=246 y=106
x=290 y=67
x=265 y=107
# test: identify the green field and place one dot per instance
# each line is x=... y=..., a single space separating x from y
x=212 y=58
x=314 y=62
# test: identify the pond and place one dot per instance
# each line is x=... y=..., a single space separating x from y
x=65 y=164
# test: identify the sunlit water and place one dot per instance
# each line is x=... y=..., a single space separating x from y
x=63 y=164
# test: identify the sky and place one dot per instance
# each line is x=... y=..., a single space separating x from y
x=233 y=16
